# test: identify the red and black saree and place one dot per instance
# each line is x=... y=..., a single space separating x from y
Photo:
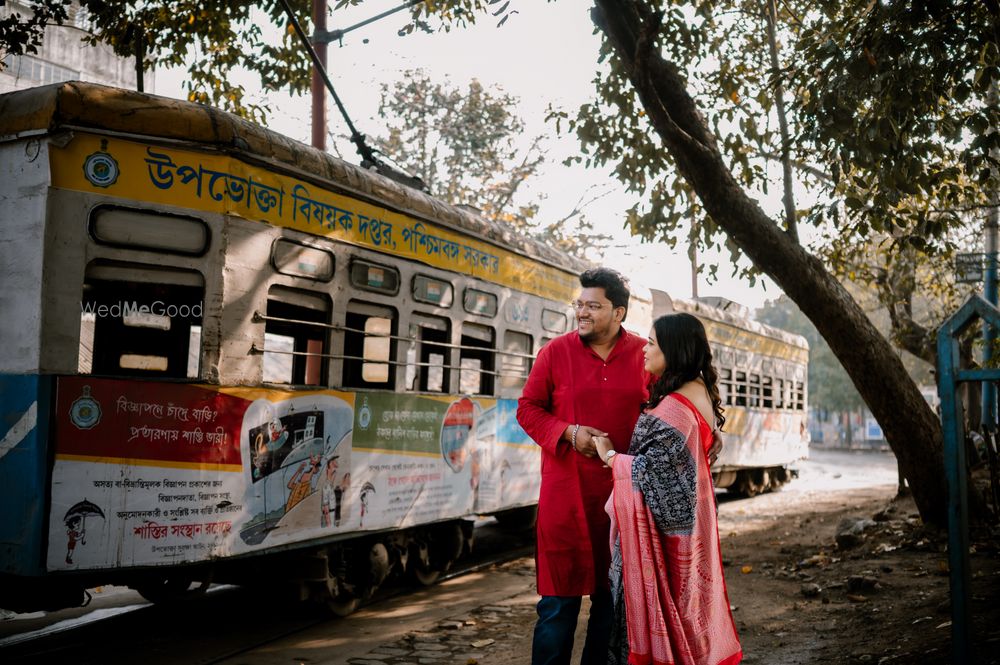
x=667 y=582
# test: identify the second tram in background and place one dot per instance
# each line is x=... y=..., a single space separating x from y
x=230 y=357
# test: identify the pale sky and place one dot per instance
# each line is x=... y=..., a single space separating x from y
x=546 y=54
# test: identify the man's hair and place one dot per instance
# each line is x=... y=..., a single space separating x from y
x=613 y=282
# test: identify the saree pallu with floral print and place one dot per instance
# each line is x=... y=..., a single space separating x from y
x=667 y=584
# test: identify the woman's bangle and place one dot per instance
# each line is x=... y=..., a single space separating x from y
x=575 y=430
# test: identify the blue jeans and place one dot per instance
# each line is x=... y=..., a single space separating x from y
x=557 y=615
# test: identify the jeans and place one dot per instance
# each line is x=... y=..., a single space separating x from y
x=557 y=615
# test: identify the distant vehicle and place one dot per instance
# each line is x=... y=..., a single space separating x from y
x=229 y=357
x=763 y=384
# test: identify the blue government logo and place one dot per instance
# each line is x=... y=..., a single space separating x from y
x=86 y=411
x=364 y=415
x=100 y=168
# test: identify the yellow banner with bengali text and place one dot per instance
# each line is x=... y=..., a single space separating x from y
x=224 y=184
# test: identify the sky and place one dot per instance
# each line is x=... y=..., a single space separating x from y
x=545 y=54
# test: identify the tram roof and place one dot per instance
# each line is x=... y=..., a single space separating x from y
x=726 y=312
x=92 y=107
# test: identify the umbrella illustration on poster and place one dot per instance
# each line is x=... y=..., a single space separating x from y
x=76 y=524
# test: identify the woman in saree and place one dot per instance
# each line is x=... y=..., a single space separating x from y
x=666 y=577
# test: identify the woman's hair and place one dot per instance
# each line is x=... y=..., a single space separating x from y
x=681 y=337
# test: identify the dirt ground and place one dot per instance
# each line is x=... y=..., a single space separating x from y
x=799 y=598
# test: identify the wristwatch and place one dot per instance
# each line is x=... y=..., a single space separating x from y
x=608 y=455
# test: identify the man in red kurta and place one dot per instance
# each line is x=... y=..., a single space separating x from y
x=585 y=383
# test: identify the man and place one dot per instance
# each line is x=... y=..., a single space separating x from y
x=589 y=382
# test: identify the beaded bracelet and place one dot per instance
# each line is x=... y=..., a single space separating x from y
x=575 y=430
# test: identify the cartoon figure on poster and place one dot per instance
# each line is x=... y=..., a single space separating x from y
x=456 y=433
x=75 y=521
x=299 y=453
x=366 y=491
x=334 y=493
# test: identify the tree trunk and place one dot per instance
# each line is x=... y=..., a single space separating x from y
x=911 y=427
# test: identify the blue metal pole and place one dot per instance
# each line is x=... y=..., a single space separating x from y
x=954 y=464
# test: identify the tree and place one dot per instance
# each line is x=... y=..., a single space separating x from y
x=645 y=47
x=888 y=102
x=464 y=144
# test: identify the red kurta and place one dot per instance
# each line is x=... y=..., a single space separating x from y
x=570 y=384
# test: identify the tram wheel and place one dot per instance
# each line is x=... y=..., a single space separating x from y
x=422 y=565
x=176 y=588
x=343 y=605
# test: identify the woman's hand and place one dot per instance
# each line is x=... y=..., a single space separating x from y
x=603 y=445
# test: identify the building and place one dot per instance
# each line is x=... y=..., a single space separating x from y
x=62 y=56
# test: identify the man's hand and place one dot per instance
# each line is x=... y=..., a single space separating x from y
x=584 y=439
x=715 y=448
x=603 y=445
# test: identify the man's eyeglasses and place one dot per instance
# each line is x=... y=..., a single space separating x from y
x=591 y=306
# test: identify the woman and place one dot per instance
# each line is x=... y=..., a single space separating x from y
x=667 y=583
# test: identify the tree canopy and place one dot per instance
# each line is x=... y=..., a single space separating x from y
x=465 y=144
x=890 y=115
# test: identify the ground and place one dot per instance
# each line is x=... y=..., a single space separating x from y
x=797 y=596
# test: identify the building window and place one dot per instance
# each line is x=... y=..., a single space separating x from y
x=28 y=68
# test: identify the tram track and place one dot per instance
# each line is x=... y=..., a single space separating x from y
x=224 y=623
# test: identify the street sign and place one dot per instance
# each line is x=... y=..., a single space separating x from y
x=969 y=268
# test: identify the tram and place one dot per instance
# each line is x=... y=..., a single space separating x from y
x=229 y=357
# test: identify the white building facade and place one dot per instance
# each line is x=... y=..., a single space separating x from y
x=63 y=56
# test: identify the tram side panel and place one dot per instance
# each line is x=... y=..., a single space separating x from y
x=154 y=474
x=24 y=394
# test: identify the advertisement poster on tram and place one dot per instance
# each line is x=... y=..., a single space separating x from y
x=160 y=473
x=144 y=473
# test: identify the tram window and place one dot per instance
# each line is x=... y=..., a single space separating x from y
x=515 y=362
x=295 y=334
x=368 y=346
x=480 y=302
x=298 y=260
x=122 y=227
x=428 y=356
x=755 y=390
x=726 y=386
x=140 y=320
x=779 y=394
x=767 y=392
x=476 y=360
x=432 y=291
x=374 y=277
x=554 y=321
x=740 y=388
x=800 y=396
